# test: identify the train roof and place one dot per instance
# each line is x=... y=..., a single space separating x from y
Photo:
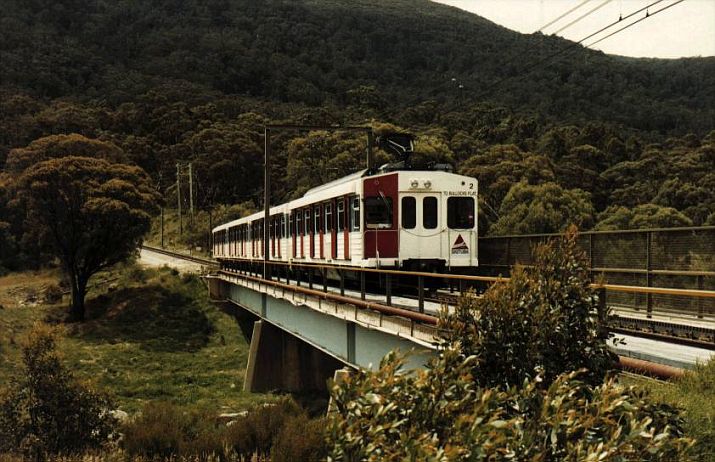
x=338 y=182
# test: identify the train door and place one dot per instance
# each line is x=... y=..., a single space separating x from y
x=328 y=226
x=461 y=236
x=318 y=225
x=380 y=209
x=342 y=228
x=421 y=227
x=355 y=245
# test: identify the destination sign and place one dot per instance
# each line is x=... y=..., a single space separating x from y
x=461 y=193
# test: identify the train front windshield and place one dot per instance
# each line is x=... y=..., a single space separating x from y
x=378 y=212
x=460 y=212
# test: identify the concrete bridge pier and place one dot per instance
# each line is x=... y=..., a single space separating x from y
x=278 y=360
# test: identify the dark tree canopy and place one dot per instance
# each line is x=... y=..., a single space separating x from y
x=92 y=212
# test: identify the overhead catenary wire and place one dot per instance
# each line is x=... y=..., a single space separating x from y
x=563 y=15
x=588 y=13
x=571 y=47
x=634 y=23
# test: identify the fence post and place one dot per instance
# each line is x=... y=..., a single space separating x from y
x=342 y=282
x=362 y=285
x=602 y=311
x=421 y=289
x=388 y=289
x=701 y=286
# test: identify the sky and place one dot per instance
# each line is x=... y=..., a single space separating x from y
x=686 y=29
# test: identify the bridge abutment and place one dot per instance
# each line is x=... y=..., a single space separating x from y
x=277 y=360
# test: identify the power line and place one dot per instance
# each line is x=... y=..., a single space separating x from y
x=635 y=22
x=563 y=15
x=571 y=47
x=593 y=10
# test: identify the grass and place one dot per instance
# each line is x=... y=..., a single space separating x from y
x=154 y=337
x=695 y=394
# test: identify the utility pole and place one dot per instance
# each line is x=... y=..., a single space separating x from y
x=266 y=199
x=178 y=196
x=267 y=177
x=191 y=193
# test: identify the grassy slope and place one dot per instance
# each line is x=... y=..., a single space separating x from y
x=156 y=337
x=695 y=394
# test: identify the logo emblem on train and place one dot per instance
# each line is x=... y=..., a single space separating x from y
x=460 y=247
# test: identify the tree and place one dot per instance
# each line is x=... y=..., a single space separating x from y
x=92 y=212
x=54 y=146
x=46 y=411
x=640 y=217
x=545 y=208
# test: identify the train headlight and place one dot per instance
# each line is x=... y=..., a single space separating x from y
x=428 y=184
x=414 y=183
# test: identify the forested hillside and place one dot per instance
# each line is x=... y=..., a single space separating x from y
x=603 y=140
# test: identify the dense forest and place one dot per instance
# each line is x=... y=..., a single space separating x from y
x=602 y=140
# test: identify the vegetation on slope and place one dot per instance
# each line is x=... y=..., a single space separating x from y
x=153 y=337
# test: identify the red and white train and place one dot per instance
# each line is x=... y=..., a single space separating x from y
x=410 y=219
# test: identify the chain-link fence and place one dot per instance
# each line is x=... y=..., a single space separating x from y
x=679 y=258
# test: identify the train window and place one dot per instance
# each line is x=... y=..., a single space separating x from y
x=341 y=214
x=429 y=212
x=355 y=221
x=460 y=212
x=316 y=219
x=299 y=223
x=306 y=221
x=378 y=212
x=409 y=212
x=284 y=231
x=291 y=224
x=328 y=217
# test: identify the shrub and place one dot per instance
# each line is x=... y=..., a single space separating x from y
x=540 y=321
x=45 y=411
x=509 y=384
x=163 y=431
x=441 y=415
x=255 y=433
x=300 y=439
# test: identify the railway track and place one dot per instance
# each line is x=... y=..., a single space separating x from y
x=182 y=256
x=676 y=333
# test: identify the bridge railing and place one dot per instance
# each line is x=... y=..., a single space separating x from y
x=681 y=258
x=438 y=289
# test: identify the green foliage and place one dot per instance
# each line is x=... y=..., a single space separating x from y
x=695 y=393
x=281 y=430
x=46 y=411
x=545 y=208
x=256 y=432
x=163 y=431
x=92 y=213
x=441 y=415
x=539 y=322
x=300 y=439
x=640 y=217
x=56 y=146
x=502 y=386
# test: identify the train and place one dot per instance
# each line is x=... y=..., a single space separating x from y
x=416 y=220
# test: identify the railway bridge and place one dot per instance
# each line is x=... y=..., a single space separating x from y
x=304 y=324
x=305 y=321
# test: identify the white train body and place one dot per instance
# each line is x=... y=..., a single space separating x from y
x=419 y=220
